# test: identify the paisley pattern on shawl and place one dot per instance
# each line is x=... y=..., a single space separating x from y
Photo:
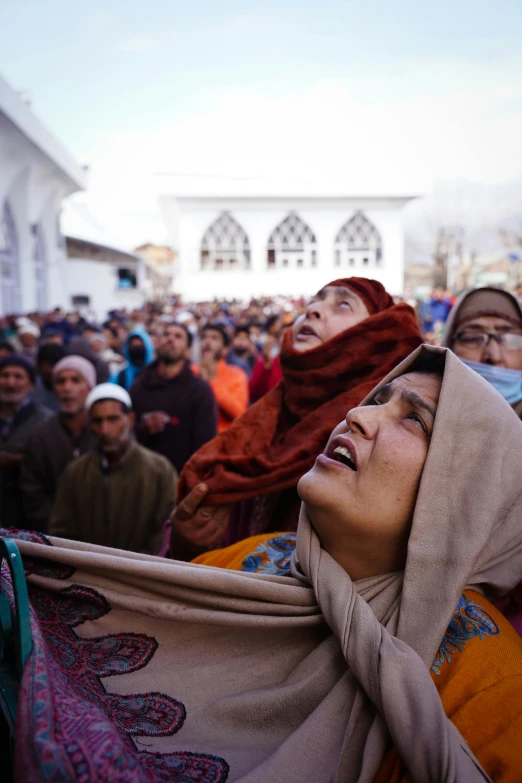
x=271 y=556
x=68 y=726
x=470 y=621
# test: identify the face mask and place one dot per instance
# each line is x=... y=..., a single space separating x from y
x=137 y=354
x=507 y=382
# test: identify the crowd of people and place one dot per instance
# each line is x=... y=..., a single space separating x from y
x=176 y=378
x=193 y=432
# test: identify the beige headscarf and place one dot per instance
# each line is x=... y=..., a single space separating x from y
x=304 y=679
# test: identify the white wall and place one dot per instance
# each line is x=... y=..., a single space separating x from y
x=99 y=281
x=33 y=184
x=188 y=219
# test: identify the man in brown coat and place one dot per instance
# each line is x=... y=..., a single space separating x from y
x=120 y=494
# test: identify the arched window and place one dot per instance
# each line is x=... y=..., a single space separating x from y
x=292 y=244
x=40 y=268
x=225 y=245
x=358 y=243
x=9 y=263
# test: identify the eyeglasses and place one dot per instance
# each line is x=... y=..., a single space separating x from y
x=511 y=341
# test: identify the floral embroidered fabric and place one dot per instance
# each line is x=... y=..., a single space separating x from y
x=271 y=556
x=69 y=727
x=470 y=621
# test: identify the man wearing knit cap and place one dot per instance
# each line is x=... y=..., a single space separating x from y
x=120 y=494
x=59 y=440
x=19 y=415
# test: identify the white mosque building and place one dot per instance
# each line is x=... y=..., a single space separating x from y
x=52 y=251
x=254 y=244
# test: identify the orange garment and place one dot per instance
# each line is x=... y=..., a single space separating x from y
x=479 y=677
x=230 y=387
x=481 y=691
x=234 y=556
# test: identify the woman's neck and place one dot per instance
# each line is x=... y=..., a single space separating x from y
x=363 y=558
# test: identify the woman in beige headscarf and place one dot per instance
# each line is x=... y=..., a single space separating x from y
x=410 y=522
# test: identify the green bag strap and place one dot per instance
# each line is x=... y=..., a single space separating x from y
x=16 y=640
x=15 y=632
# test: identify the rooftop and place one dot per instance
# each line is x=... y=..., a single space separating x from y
x=21 y=116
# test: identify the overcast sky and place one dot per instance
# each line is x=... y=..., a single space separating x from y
x=374 y=95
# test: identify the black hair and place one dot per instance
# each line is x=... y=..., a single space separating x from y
x=182 y=326
x=270 y=321
x=217 y=328
x=6 y=346
x=50 y=354
x=430 y=362
x=242 y=328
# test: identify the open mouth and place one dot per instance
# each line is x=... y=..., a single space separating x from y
x=306 y=331
x=343 y=451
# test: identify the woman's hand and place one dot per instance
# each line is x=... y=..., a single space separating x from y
x=154 y=422
x=202 y=526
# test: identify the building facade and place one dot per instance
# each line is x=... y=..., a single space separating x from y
x=158 y=269
x=246 y=246
x=52 y=250
x=36 y=174
x=99 y=277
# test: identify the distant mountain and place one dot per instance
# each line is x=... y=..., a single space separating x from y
x=476 y=210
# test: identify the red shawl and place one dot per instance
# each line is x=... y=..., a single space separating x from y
x=276 y=441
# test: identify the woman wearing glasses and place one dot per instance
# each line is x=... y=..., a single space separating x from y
x=485 y=331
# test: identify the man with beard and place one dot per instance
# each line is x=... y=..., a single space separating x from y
x=120 y=494
x=175 y=411
x=19 y=415
x=59 y=440
x=229 y=384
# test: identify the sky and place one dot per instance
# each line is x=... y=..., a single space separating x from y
x=367 y=96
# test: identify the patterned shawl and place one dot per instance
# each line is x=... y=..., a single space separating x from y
x=145 y=669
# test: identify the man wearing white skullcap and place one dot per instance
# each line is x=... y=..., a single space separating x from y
x=28 y=335
x=120 y=494
x=109 y=391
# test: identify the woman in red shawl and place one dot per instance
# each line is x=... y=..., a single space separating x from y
x=243 y=483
